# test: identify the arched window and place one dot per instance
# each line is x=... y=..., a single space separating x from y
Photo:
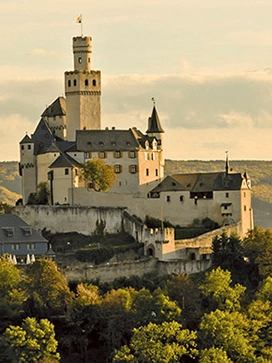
x=74 y=82
x=69 y=83
x=94 y=82
x=86 y=82
x=79 y=60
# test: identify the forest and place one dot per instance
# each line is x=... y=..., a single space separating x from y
x=221 y=316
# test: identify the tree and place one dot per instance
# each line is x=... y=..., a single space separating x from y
x=163 y=343
x=6 y=208
x=47 y=286
x=182 y=289
x=229 y=331
x=258 y=248
x=32 y=342
x=98 y=175
x=217 y=287
x=12 y=295
x=214 y=355
x=42 y=195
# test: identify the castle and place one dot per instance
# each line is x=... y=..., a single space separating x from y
x=69 y=133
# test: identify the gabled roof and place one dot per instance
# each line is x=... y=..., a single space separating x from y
x=57 y=108
x=200 y=182
x=106 y=140
x=64 y=161
x=13 y=229
x=26 y=140
x=154 y=124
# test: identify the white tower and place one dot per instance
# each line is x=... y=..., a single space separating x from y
x=82 y=90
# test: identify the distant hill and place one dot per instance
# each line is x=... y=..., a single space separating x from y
x=10 y=182
x=259 y=171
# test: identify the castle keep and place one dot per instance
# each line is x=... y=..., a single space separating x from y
x=69 y=133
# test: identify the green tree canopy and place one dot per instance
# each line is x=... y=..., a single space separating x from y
x=217 y=286
x=32 y=342
x=229 y=331
x=98 y=175
x=158 y=343
x=258 y=248
x=48 y=285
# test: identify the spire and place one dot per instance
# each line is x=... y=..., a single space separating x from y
x=227 y=163
x=154 y=124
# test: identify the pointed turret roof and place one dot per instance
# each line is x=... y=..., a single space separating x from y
x=154 y=124
x=26 y=140
x=57 y=108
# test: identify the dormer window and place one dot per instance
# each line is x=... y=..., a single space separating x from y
x=9 y=231
x=26 y=230
x=147 y=144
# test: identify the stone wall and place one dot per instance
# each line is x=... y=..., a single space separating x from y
x=70 y=219
x=109 y=272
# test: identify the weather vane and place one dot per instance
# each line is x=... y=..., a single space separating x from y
x=79 y=20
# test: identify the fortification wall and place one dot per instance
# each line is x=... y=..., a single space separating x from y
x=69 y=219
x=109 y=272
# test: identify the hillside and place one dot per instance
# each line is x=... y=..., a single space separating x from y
x=10 y=182
x=259 y=171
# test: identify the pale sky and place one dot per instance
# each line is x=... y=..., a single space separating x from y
x=208 y=63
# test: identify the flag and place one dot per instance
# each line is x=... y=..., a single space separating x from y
x=78 y=20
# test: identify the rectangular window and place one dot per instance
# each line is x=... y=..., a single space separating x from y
x=17 y=246
x=118 y=169
x=13 y=247
x=244 y=194
x=117 y=154
x=147 y=172
x=245 y=208
x=156 y=172
x=133 y=169
x=29 y=147
x=66 y=171
x=132 y=154
x=102 y=155
x=168 y=198
x=227 y=195
x=22 y=147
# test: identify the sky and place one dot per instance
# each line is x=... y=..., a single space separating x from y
x=207 y=63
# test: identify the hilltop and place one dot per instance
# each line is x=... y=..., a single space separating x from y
x=260 y=172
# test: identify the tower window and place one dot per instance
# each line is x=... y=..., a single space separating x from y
x=86 y=82
x=69 y=83
x=147 y=172
x=74 y=82
x=29 y=147
x=227 y=195
x=79 y=60
x=66 y=171
x=168 y=198
x=89 y=60
x=94 y=82
x=156 y=172
x=181 y=198
x=22 y=147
